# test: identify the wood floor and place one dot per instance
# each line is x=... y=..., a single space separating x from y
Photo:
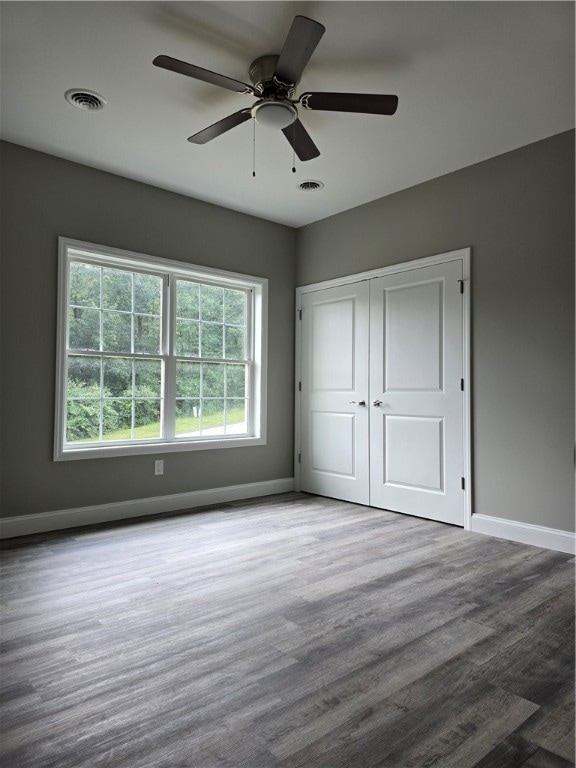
x=291 y=631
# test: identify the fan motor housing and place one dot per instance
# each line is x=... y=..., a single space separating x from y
x=262 y=77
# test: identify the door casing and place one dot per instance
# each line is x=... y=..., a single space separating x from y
x=464 y=256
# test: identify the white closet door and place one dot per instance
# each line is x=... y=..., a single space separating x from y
x=334 y=400
x=416 y=408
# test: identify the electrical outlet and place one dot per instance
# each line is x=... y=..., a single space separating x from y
x=159 y=467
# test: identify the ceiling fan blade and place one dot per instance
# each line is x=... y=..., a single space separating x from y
x=300 y=44
x=217 y=129
x=190 y=70
x=300 y=141
x=366 y=103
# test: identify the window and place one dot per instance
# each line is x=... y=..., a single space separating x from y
x=156 y=355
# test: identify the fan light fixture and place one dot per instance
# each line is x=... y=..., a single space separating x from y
x=274 y=114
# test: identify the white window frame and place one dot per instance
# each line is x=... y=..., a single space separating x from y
x=257 y=338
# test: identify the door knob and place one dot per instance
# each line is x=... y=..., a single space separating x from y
x=360 y=402
x=376 y=403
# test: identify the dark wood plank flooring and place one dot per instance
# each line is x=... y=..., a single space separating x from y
x=285 y=632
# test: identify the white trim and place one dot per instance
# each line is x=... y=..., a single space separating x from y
x=463 y=255
x=467 y=394
x=427 y=261
x=159 y=447
x=95 y=251
x=525 y=533
x=297 y=392
x=259 y=378
x=25 y=525
x=257 y=330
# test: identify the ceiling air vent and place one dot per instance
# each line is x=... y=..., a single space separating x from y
x=310 y=185
x=83 y=99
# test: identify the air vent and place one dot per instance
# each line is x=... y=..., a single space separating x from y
x=310 y=185
x=83 y=99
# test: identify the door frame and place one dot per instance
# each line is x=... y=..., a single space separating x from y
x=464 y=256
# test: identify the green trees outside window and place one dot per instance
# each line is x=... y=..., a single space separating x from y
x=124 y=343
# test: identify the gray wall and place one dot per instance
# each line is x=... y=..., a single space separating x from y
x=44 y=197
x=516 y=211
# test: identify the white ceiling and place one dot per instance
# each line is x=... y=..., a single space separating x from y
x=474 y=80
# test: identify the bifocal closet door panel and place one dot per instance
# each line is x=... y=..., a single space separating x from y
x=334 y=399
x=416 y=408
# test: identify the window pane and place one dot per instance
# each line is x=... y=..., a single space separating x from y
x=187 y=338
x=212 y=303
x=212 y=417
x=84 y=329
x=188 y=379
x=235 y=381
x=212 y=340
x=187 y=300
x=83 y=399
x=146 y=419
x=117 y=377
x=117 y=420
x=213 y=380
x=234 y=343
x=82 y=420
x=148 y=378
x=146 y=334
x=236 y=417
x=117 y=290
x=116 y=332
x=85 y=285
x=83 y=376
x=187 y=417
x=235 y=307
x=147 y=294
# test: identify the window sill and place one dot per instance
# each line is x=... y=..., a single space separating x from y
x=160 y=447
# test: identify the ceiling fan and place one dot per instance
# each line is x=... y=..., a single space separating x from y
x=274 y=80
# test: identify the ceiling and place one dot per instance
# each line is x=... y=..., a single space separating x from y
x=474 y=80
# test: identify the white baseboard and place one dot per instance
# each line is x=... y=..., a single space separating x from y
x=24 y=525
x=103 y=513
x=537 y=535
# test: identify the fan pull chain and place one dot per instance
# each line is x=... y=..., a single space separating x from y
x=294 y=146
x=253 y=147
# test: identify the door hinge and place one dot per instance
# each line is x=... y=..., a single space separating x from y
x=463 y=483
x=299 y=314
x=461 y=286
x=462 y=384
x=299 y=386
x=299 y=458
